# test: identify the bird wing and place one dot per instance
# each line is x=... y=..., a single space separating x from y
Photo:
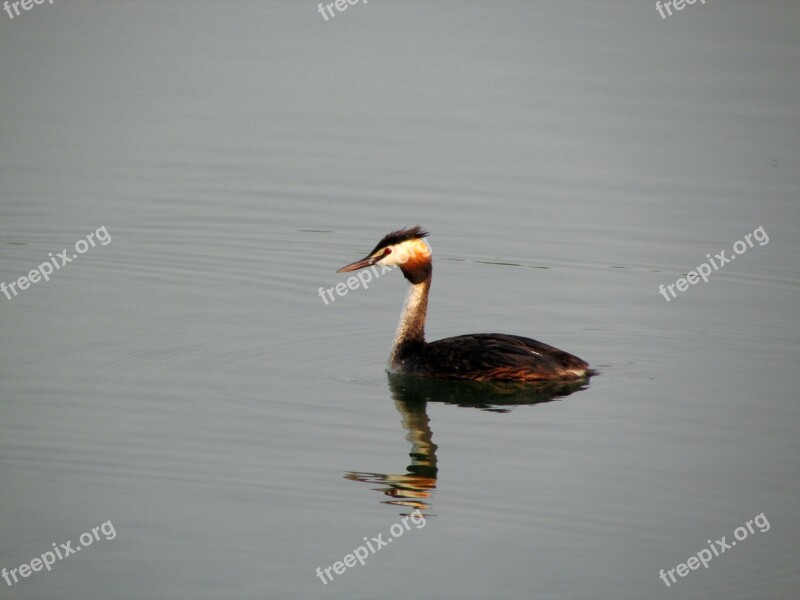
x=485 y=356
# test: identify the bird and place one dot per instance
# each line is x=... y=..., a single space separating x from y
x=494 y=357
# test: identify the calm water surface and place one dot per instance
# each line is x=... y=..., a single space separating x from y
x=187 y=382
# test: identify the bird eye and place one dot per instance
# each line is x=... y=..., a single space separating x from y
x=387 y=251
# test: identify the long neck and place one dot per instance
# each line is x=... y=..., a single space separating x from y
x=411 y=330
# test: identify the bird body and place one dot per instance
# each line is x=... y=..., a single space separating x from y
x=478 y=356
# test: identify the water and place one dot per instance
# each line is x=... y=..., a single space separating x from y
x=187 y=382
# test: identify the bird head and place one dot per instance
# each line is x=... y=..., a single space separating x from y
x=404 y=248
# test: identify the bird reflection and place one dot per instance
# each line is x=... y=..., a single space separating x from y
x=414 y=488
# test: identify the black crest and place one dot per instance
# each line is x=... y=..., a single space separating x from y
x=401 y=235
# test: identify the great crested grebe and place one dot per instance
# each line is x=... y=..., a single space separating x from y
x=477 y=356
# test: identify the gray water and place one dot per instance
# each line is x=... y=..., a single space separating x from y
x=186 y=384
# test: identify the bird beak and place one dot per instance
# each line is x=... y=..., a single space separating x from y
x=360 y=264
